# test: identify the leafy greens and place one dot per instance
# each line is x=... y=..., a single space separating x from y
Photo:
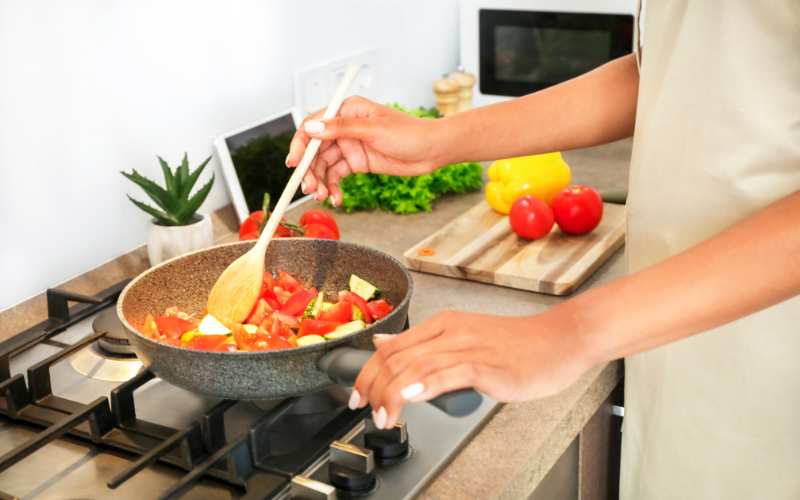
x=408 y=195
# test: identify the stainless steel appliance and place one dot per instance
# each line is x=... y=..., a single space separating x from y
x=81 y=418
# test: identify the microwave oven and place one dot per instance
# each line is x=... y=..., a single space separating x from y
x=517 y=47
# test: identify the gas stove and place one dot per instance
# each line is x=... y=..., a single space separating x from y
x=80 y=417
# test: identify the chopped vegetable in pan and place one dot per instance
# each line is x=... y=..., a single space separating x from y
x=285 y=315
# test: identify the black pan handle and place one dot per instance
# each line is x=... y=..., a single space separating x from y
x=344 y=364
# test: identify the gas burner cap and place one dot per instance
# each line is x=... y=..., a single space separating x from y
x=115 y=340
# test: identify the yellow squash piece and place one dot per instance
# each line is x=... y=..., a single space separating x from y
x=542 y=176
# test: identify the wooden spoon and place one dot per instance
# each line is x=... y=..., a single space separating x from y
x=237 y=289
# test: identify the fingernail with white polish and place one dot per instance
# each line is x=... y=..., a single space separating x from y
x=355 y=399
x=315 y=127
x=333 y=200
x=380 y=337
x=287 y=159
x=379 y=418
x=412 y=391
x=303 y=187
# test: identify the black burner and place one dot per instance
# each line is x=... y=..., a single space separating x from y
x=115 y=340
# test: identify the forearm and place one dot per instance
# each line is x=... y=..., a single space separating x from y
x=596 y=108
x=742 y=270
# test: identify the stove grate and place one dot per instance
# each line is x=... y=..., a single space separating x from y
x=201 y=448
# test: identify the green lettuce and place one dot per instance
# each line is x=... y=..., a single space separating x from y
x=408 y=195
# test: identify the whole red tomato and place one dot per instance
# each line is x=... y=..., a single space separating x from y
x=319 y=217
x=530 y=217
x=320 y=231
x=578 y=209
x=251 y=227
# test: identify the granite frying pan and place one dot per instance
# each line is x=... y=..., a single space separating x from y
x=187 y=280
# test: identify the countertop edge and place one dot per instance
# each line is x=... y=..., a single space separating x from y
x=598 y=389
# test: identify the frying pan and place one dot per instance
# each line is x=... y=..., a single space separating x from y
x=326 y=264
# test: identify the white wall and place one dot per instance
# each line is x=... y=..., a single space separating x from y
x=89 y=88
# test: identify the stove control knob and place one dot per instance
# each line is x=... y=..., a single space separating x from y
x=388 y=443
x=304 y=488
x=351 y=468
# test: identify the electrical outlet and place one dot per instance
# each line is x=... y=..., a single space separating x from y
x=314 y=86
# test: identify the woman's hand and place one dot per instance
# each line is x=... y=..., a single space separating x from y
x=364 y=137
x=509 y=359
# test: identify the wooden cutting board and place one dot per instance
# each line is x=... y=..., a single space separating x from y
x=480 y=246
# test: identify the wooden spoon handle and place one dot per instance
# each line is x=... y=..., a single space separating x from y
x=300 y=170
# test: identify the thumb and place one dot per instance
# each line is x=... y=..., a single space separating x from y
x=362 y=129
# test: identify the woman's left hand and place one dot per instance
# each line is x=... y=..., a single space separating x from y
x=508 y=359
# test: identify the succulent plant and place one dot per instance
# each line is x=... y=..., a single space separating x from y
x=178 y=208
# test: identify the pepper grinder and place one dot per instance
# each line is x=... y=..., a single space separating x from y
x=465 y=82
x=446 y=95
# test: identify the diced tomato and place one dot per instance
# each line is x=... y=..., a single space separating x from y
x=277 y=342
x=316 y=327
x=226 y=347
x=358 y=301
x=173 y=326
x=171 y=341
x=314 y=291
x=287 y=281
x=151 y=328
x=287 y=319
x=297 y=303
x=174 y=311
x=273 y=303
x=275 y=327
x=281 y=295
x=270 y=280
x=205 y=342
x=267 y=293
x=292 y=340
x=379 y=309
x=259 y=312
x=244 y=340
x=339 y=313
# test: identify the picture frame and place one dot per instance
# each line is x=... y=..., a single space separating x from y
x=228 y=143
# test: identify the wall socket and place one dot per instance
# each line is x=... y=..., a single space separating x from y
x=314 y=86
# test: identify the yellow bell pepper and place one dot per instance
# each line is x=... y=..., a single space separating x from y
x=542 y=176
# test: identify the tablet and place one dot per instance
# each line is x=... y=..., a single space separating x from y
x=253 y=160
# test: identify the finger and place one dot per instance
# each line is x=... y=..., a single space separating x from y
x=430 y=328
x=362 y=129
x=334 y=176
x=407 y=385
x=399 y=363
x=316 y=173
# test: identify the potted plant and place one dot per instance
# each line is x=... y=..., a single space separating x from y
x=177 y=228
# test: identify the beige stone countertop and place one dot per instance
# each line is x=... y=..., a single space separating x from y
x=514 y=451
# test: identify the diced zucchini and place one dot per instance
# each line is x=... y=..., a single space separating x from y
x=251 y=329
x=309 y=339
x=363 y=289
x=211 y=326
x=346 y=329
x=314 y=308
x=326 y=306
x=186 y=337
x=357 y=314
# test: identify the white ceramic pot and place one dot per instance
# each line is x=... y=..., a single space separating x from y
x=166 y=242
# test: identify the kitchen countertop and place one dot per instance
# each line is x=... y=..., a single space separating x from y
x=509 y=456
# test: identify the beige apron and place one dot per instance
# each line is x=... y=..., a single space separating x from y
x=715 y=416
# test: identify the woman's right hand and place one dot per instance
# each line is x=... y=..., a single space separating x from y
x=364 y=137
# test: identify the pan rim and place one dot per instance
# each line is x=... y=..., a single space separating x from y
x=272 y=353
